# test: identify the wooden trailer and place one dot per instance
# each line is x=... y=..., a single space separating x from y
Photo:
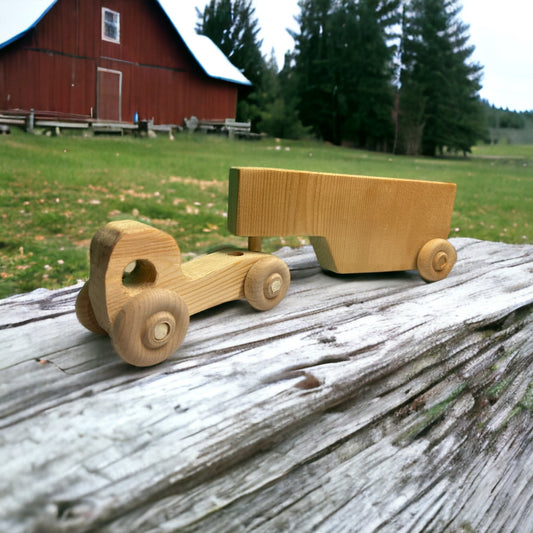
x=355 y=223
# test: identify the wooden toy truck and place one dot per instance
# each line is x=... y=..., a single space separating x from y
x=142 y=296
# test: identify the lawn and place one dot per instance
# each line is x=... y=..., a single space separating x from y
x=57 y=191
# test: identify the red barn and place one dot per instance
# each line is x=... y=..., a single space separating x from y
x=110 y=59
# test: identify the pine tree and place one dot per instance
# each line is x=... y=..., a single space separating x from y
x=279 y=117
x=233 y=27
x=315 y=78
x=369 y=70
x=344 y=69
x=439 y=103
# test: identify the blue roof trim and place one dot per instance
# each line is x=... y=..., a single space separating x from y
x=32 y=25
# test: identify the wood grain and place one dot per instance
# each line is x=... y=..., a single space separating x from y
x=371 y=402
x=356 y=223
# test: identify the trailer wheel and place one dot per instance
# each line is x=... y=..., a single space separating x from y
x=85 y=312
x=436 y=259
x=150 y=327
x=267 y=283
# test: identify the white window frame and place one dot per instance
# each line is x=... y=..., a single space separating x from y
x=116 y=23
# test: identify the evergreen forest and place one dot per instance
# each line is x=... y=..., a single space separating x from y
x=387 y=75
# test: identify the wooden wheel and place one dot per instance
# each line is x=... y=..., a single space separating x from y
x=85 y=313
x=150 y=327
x=267 y=283
x=436 y=259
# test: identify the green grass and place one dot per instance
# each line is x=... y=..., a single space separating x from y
x=55 y=192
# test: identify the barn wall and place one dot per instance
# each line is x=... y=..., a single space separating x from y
x=54 y=67
x=26 y=82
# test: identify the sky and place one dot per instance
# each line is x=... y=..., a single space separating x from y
x=500 y=31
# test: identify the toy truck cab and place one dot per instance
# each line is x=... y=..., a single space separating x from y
x=355 y=223
x=142 y=296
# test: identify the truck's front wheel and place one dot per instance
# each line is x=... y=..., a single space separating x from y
x=150 y=327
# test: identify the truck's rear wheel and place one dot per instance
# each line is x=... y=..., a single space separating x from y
x=150 y=327
x=436 y=259
x=267 y=283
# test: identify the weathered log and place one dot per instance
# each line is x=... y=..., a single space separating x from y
x=360 y=403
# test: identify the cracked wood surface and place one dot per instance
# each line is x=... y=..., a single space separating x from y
x=360 y=403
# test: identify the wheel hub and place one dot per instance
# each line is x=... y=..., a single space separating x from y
x=273 y=285
x=159 y=329
x=439 y=261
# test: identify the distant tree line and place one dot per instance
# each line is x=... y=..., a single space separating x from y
x=391 y=75
x=505 y=118
x=505 y=125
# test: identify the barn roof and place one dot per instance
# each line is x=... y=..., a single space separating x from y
x=208 y=55
x=15 y=22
